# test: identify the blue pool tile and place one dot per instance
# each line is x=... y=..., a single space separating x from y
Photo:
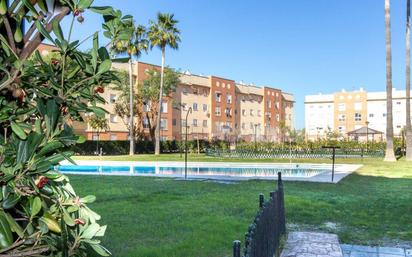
x=367 y=249
x=391 y=250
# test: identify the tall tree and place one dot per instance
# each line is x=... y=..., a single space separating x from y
x=389 y=153
x=130 y=39
x=408 y=128
x=149 y=96
x=163 y=33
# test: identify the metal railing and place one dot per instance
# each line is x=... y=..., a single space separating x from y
x=264 y=235
x=293 y=153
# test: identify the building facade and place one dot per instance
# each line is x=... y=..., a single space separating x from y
x=221 y=109
x=342 y=112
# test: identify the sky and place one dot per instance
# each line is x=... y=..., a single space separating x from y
x=302 y=47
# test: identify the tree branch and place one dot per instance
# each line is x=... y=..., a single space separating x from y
x=9 y=33
x=36 y=41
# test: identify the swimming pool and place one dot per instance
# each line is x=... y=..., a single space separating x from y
x=291 y=171
x=214 y=170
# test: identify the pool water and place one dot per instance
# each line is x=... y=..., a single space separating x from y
x=287 y=171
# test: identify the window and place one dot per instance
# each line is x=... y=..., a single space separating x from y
x=174 y=123
x=341 y=129
x=384 y=114
x=342 y=117
x=269 y=104
x=164 y=107
x=184 y=107
x=113 y=118
x=145 y=123
x=251 y=112
x=398 y=103
x=205 y=107
x=205 y=123
x=243 y=112
x=259 y=113
x=113 y=137
x=277 y=117
x=217 y=83
x=95 y=137
x=277 y=105
x=218 y=97
x=228 y=112
x=358 y=106
x=217 y=111
x=342 y=107
x=243 y=126
x=398 y=126
x=229 y=98
x=112 y=98
x=195 y=107
x=251 y=125
x=228 y=86
x=183 y=123
x=163 y=138
x=184 y=90
x=194 y=122
x=358 y=117
x=371 y=115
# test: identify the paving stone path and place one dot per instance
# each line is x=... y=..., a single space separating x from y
x=307 y=244
x=369 y=251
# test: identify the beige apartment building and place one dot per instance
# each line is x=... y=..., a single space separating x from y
x=343 y=112
x=221 y=109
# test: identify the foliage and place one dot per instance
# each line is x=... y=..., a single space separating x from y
x=142 y=146
x=164 y=32
x=147 y=95
x=41 y=214
x=98 y=123
x=374 y=202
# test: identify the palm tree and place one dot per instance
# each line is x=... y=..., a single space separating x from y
x=131 y=40
x=408 y=128
x=163 y=33
x=389 y=153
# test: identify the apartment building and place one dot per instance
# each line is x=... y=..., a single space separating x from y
x=221 y=109
x=343 y=112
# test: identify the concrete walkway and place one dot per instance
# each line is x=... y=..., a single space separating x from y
x=369 y=251
x=307 y=244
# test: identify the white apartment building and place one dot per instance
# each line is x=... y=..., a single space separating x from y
x=343 y=112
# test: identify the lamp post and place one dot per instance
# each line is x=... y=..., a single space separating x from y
x=187 y=115
x=367 y=134
x=256 y=125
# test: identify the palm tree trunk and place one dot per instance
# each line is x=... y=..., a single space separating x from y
x=389 y=153
x=408 y=128
x=131 y=123
x=159 y=109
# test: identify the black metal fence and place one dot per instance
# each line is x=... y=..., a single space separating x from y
x=294 y=153
x=265 y=233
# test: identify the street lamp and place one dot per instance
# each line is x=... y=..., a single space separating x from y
x=187 y=115
x=256 y=125
x=367 y=134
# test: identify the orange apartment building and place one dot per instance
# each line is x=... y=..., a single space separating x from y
x=221 y=109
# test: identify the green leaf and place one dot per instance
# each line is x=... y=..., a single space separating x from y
x=104 y=10
x=100 y=250
x=18 y=130
x=104 y=66
x=31 y=8
x=67 y=218
x=57 y=30
x=15 y=227
x=35 y=206
x=43 y=31
x=84 y=4
x=90 y=231
x=88 y=199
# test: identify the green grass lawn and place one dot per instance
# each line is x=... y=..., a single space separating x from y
x=166 y=217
